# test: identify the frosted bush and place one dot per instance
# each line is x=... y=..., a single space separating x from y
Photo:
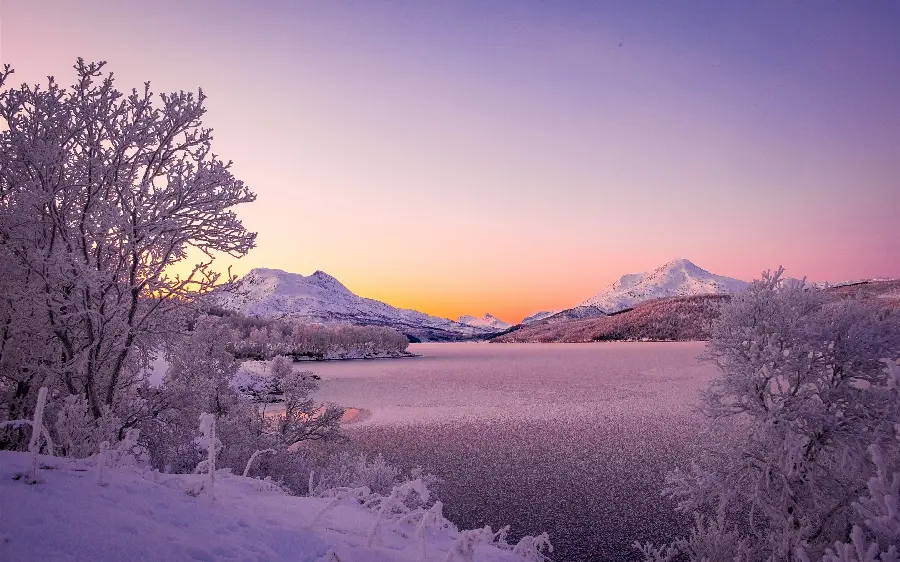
x=79 y=433
x=396 y=503
x=532 y=549
x=709 y=540
x=463 y=548
x=338 y=496
x=878 y=538
x=75 y=427
x=349 y=471
x=128 y=451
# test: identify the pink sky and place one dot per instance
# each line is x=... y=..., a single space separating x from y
x=461 y=158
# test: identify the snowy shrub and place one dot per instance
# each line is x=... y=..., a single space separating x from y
x=349 y=471
x=532 y=549
x=463 y=548
x=710 y=539
x=78 y=432
x=396 y=503
x=75 y=427
x=338 y=496
x=268 y=485
x=428 y=519
x=878 y=539
x=803 y=391
x=127 y=452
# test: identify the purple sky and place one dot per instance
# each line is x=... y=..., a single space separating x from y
x=507 y=157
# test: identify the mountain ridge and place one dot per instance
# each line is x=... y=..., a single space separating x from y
x=487 y=321
x=321 y=298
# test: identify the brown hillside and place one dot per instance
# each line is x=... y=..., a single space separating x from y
x=669 y=319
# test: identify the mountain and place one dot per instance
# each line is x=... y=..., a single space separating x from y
x=488 y=321
x=320 y=298
x=538 y=316
x=678 y=278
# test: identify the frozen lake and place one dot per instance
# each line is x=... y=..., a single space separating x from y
x=574 y=439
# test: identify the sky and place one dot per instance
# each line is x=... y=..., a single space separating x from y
x=509 y=157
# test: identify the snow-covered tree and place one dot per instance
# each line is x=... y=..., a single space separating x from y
x=101 y=194
x=303 y=419
x=803 y=391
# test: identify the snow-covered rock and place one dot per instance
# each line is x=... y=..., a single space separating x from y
x=487 y=321
x=320 y=298
x=678 y=278
x=137 y=514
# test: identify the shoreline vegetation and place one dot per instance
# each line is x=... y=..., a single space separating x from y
x=400 y=355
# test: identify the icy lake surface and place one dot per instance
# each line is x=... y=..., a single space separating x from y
x=574 y=439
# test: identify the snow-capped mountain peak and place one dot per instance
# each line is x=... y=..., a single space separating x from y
x=486 y=321
x=679 y=277
x=320 y=298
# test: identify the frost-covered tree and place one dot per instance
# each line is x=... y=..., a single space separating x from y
x=803 y=392
x=101 y=194
x=303 y=419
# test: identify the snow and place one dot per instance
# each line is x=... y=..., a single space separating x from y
x=144 y=515
x=272 y=293
x=677 y=278
x=487 y=321
x=538 y=316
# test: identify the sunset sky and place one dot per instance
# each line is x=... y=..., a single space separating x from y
x=462 y=157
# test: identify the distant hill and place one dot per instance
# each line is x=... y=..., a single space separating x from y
x=488 y=321
x=678 y=278
x=320 y=298
x=537 y=316
x=881 y=292
x=675 y=318
x=670 y=319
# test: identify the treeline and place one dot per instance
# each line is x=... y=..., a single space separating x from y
x=262 y=339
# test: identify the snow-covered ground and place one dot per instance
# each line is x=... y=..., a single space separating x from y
x=136 y=514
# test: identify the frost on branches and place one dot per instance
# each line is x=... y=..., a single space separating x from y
x=101 y=192
x=806 y=386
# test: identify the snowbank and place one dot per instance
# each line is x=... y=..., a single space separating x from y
x=143 y=515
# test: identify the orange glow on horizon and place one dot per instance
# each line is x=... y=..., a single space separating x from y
x=456 y=160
